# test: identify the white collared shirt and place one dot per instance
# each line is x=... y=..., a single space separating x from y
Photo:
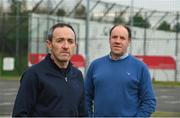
x=121 y=57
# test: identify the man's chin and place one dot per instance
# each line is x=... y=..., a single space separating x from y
x=64 y=59
x=117 y=54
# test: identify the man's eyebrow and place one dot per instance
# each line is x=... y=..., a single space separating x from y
x=114 y=36
x=71 y=39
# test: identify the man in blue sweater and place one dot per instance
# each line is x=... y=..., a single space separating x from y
x=118 y=84
x=53 y=87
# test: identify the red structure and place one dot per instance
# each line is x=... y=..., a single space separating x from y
x=77 y=60
x=153 y=62
x=159 y=62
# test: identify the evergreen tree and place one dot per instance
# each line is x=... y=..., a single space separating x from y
x=164 y=26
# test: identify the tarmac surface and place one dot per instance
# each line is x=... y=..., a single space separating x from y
x=168 y=98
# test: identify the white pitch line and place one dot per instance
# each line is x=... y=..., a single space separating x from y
x=173 y=102
x=9 y=89
x=6 y=103
x=8 y=94
x=165 y=97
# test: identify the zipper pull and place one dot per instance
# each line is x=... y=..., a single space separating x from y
x=66 y=79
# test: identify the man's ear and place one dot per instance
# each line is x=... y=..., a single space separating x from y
x=75 y=49
x=49 y=44
x=129 y=42
x=109 y=39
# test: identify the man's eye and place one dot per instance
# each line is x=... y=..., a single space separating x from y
x=59 y=40
x=123 y=38
x=71 y=41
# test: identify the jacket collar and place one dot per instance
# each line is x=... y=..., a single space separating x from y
x=53 y=64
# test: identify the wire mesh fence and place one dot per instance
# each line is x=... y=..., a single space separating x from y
x=153 y=32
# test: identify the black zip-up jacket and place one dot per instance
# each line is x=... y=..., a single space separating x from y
x=46 y=90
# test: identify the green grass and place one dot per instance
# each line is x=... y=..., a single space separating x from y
x=166 y=84
x=155 y=83
x=166 y=114
x=9 y=77
x=20 y=65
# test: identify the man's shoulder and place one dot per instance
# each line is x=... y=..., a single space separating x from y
x=100 y=59
x=37 y=67
x=77 y=73
x=32 y=69
x=75 y=69
x=138 y=61
x=133 y=58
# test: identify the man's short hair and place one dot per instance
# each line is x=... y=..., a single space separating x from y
x=126 y=27
x=51 y=30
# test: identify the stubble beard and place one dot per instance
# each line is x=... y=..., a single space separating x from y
x=60 y=62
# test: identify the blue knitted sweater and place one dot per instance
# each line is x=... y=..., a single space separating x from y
x=119 y=88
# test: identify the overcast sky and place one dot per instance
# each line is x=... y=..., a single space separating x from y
x=162 y=5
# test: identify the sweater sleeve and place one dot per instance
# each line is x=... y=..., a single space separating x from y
x=147 y=96
x=26 y=96
x=89 y=91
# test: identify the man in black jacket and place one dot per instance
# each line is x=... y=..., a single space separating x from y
x=53 y=87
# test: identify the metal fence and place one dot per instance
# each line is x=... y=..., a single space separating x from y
x=24 y=33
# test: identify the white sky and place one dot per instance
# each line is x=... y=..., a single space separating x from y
x=162 y=5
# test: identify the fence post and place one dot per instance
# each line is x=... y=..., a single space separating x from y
x=177 y=73
x=0 y=66
x=145 y=34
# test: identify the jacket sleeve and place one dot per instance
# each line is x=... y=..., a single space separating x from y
x=89 y=91
x=26 y=96
x=147 y=96
x=81 y=108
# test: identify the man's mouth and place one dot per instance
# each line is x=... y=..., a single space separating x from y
x=66 y=53
x=117 y=46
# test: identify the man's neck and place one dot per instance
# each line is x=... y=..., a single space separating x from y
x=118 y=57
x=60 y=64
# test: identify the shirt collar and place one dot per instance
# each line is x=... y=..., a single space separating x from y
x=121 y=57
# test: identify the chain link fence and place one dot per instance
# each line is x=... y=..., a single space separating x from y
x=154 y=32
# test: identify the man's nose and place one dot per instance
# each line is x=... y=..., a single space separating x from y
x=65 y=44
x=118 y=40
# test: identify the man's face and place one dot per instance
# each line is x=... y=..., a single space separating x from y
x=63 y=44
x=119 y=41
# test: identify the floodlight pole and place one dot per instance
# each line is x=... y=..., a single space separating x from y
x=131 y=22
x=17 y=30
x=17 y=27
x=145 y=35
x=87 y=36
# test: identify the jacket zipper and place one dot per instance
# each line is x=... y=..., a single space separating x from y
x=66 y=79
x=66 y=76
